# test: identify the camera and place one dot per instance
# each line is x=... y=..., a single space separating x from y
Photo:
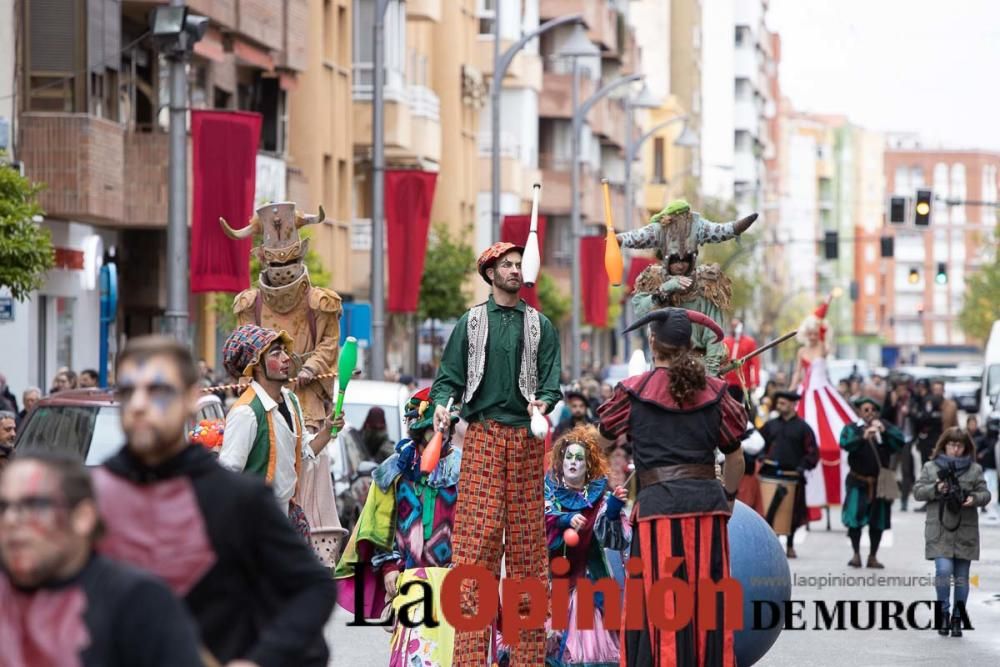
x=954 y=496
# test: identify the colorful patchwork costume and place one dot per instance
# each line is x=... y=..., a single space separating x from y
x=406 y=526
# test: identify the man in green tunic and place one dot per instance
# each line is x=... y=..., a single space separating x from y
x=869 y=445
x=501 y=361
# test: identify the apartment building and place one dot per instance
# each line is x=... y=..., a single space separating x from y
x=959 y=240
x=91 y=124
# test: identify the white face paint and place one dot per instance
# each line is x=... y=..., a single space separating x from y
x=574 y=465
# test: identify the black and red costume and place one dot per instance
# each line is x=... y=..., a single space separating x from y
x=253 y=585
x=106 y=615
x=682 y=509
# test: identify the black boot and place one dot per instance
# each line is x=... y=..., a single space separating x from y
x=956 y=627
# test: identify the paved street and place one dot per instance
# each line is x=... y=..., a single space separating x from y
x=823 y=553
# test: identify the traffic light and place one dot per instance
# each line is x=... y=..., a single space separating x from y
x=941 y=278
x=914 y=277
x=830 y=242
x=922 y=211
x=888 y=246
x=897 y=210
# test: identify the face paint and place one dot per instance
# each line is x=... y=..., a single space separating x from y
x=574 y=465
x=276 y=364
x=153 y=405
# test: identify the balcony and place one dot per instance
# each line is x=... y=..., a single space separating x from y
x=556 y=100
x=745 y=116
x=146 y=166
x=423 y=10
x=79 y=158
x=744 y=166
x=745 y=62
x=600 y=17
x=525 y=70
x=412 y=124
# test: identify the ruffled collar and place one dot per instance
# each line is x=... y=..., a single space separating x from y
x=654 y=387
x=444 y=475
x=569 y=499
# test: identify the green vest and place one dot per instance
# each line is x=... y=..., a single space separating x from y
x=260 y=461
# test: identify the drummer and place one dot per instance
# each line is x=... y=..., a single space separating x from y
x=789 y=450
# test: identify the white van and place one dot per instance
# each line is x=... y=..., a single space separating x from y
x=991 y=376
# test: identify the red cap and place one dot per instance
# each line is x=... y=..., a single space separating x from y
x=493 y=253
x=821 y=311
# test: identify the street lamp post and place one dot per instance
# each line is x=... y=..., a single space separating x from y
x=500 y=65
x=174 y=34
x=579 y=114
x=378 y=192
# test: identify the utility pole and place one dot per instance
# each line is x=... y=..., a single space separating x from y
x=174 y=34
x=378 y=193
x=176 y=316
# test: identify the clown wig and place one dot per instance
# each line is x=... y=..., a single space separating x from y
x=586 y=437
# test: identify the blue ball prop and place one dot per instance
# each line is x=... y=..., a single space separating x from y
x=758 y=562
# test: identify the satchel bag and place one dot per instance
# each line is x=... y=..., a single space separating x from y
x=886 y=488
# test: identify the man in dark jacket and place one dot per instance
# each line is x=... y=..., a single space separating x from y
x=62 y=604
x=789 y=450
x=579 y=413
x=219 y=540
x=869 y=444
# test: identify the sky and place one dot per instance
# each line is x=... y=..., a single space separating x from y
x=925 y=66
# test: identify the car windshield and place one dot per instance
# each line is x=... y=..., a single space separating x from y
x=89 y=433
x=356 y=413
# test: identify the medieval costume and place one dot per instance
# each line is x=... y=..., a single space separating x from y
x=870 y=445
x=738 y=345
x=263 y=436
x=682 y=509
x=497 y=359
x=789 y=451
x=675 y=233
x=751 y=444
x=405 y=527
x=106 y=615
x=221 y=543
x=824 y=409
x=577 y=485
x=285 y=300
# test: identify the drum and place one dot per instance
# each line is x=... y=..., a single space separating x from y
x=778 y=495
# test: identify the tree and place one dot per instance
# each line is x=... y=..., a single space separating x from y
x=444 y=290
x=981 y=307
x=222 y=302
x=554 y=303
x=26 y=251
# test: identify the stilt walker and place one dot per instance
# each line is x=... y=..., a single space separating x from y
x=824 y=409
x=501 y=361
x=676 y=232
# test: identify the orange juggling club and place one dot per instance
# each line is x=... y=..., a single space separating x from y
x=612 y=251
x=432 y=451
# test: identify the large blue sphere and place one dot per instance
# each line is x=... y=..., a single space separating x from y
x=758 y=562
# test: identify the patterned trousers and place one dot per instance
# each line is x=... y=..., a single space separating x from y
x=500 y=488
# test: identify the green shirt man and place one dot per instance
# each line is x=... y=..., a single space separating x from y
x=498 y=396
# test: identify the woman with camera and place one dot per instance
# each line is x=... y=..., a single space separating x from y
x=953 y=485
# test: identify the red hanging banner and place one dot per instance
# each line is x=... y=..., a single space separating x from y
x=224 y=167
x=515 y=230
x=409 y=195
x=594 y=283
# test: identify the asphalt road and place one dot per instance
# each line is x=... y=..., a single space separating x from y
x=825 y=554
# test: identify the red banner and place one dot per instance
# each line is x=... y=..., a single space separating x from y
x=224 y=152
x=408 y=198
x=636 y=266
x=515 y=230
x=594 y=283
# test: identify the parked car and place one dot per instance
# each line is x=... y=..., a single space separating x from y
x=86 y=424
x=352 y=466
x=964 y=385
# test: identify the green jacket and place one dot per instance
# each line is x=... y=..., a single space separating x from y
x=498 y=397
x=963 y=542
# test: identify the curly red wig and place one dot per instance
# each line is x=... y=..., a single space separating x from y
x=585 y=436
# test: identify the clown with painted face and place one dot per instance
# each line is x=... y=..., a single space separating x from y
x=403 y=535
x=578 y=497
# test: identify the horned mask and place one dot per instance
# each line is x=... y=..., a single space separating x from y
x=282 y=251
